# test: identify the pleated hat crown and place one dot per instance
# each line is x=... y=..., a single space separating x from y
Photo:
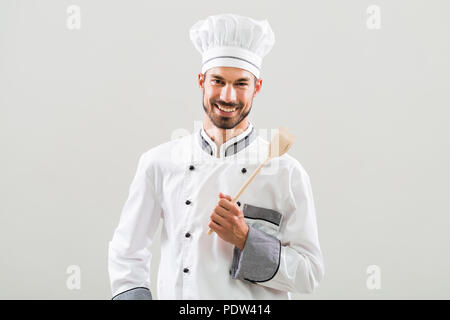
x=229 y=40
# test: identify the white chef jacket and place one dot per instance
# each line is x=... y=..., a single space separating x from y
x=179 y=182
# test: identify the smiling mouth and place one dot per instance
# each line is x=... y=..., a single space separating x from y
x=225 y=109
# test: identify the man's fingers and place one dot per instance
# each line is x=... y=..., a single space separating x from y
x=225 y=203
x=224 y=213
x=230 y=206
x=215 y=227
x=220 y=220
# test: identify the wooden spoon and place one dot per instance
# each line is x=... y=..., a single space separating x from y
x=279 y=145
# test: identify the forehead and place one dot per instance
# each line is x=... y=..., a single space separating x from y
x=229 y=73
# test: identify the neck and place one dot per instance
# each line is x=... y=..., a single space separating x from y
x=220 y=136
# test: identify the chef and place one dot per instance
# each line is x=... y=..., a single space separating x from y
x=266 y=245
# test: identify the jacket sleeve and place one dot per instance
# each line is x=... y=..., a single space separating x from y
x=293 y=261
x=128 y=255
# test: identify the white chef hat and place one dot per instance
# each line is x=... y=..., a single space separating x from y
x=229 y=40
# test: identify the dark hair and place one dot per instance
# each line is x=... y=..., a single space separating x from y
x=254 y=78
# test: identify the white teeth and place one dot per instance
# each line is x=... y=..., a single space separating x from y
x=225 y=109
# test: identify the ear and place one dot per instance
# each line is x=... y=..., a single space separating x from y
x=201 y=80
x=257 y=86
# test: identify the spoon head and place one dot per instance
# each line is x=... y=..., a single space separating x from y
x=281 y=143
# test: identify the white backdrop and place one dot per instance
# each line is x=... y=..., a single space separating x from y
x=364 y=89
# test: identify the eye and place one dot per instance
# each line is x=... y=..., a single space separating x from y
x=216 y=81
x=242 y=84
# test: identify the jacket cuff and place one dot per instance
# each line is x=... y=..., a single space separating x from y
x=260 y=258
x=139 y=293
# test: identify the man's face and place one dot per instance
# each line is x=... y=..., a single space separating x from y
x=228 y=95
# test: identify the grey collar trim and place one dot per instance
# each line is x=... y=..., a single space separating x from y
x=232 y=149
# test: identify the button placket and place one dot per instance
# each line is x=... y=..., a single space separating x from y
x=185 y=266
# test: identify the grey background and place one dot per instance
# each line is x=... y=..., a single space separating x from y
x=370 y=109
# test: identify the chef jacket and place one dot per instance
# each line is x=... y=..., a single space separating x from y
x=179 y=182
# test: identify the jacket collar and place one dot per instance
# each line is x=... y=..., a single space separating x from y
x=229 y=147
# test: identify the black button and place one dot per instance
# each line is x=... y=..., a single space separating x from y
x=185 y=270
x=188 y=202
x=187 y=235
x=191 y=167
x=238 y=203
x=244 y=170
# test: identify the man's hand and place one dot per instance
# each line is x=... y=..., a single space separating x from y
x=227 y=220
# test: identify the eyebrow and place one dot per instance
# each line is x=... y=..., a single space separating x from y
x=221 y=78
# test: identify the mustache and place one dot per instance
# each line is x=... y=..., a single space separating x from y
x=227 y=104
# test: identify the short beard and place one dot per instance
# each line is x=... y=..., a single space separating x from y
x=221 y=125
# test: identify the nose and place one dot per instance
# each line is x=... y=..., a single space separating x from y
x=228 y=93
